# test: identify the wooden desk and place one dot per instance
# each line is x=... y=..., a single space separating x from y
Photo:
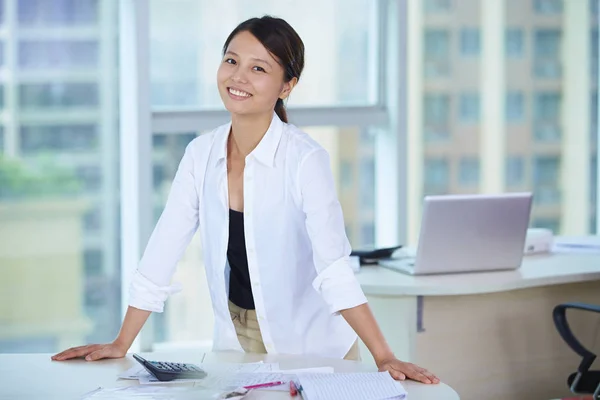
x=35 y=376
x=489 y=335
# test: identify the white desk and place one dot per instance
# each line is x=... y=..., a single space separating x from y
x=489 y=335
x=35 y=376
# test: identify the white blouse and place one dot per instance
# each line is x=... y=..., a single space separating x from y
x=298 y=252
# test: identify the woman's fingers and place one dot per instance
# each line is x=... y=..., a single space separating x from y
x=74 y=352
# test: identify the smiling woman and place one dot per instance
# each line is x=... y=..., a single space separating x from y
x=261 y=193
x=260 y=67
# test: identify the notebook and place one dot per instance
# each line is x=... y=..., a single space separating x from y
x=351 y=386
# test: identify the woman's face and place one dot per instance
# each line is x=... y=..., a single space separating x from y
x=250 y=79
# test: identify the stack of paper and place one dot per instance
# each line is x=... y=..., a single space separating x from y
x=351 y=386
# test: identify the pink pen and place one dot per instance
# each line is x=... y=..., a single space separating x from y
x=264 y=385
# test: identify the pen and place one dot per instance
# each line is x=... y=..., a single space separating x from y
x=293 y=389
x=264 y=385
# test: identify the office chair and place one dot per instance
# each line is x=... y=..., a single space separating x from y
x=583 y=381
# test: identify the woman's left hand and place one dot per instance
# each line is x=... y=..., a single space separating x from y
x=400 y=370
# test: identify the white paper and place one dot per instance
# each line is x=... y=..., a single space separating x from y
x=314 y=370
x=576 y=248
x=231 y=381
x=351 y=386
x=219 y=371
x=142 y=392
x=246 y=378
x=294 y=376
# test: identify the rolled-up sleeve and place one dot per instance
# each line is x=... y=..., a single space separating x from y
x=335 y=279
x=151 y=282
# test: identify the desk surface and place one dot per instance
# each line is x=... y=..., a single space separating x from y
x=538 y=270
x=35 y=376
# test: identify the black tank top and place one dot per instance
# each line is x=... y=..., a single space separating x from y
x=240 y=290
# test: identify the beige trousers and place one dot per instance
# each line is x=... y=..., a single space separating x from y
x=248 y=332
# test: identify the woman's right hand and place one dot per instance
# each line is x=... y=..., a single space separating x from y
x=93 y=352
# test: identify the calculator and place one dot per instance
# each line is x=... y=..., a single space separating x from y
x=167 y=371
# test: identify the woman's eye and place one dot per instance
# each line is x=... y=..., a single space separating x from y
x=230 y=61
x=259 y=69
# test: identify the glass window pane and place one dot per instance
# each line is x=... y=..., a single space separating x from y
x=470 y=43
x=548 y=6
x=58 y=138
x=59 y=13
x=594 y=53
x=514 y=107
x=36 y=96
x=514 y=42
x=57 y=54
x=542 y=102
x=436 y=53
x=340 y=37
x=547 y=108
x=437 y=6
x=547 y=44
x=436 y=116
x=515 y=171
x=469 y=107
x=352 y=153
x=60 y=281
x=437 y=176
x=469 y=172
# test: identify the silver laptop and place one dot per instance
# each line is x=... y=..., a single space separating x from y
x=465 y=233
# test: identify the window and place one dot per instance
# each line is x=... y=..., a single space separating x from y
x=547 y=110
x=514 y=42
x=469 y=171
x=437 y=6
x=58 y=95
x=546 y=172
x=547 y=223
x=547 y=43
x=469 y=107
x=470 y=42
x=593 y=180
x=349 y=149
x=91 y=177
x=548 y=6
x=594 y=53
x=515 y=171
x=437 y=176
x=547 y=53
x=183 y=61
x=534 y=101
x=64 y=144
x=57 y=54
x=92 y=220
x=59 y=13
x=367 y=190
x=59 y=138
x=594 y=116
x=347 y=175
x=514 y=107
x=368 y=235
x=437 y=53
x=436 y=114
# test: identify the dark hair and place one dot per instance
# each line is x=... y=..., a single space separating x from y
x=282 y=41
